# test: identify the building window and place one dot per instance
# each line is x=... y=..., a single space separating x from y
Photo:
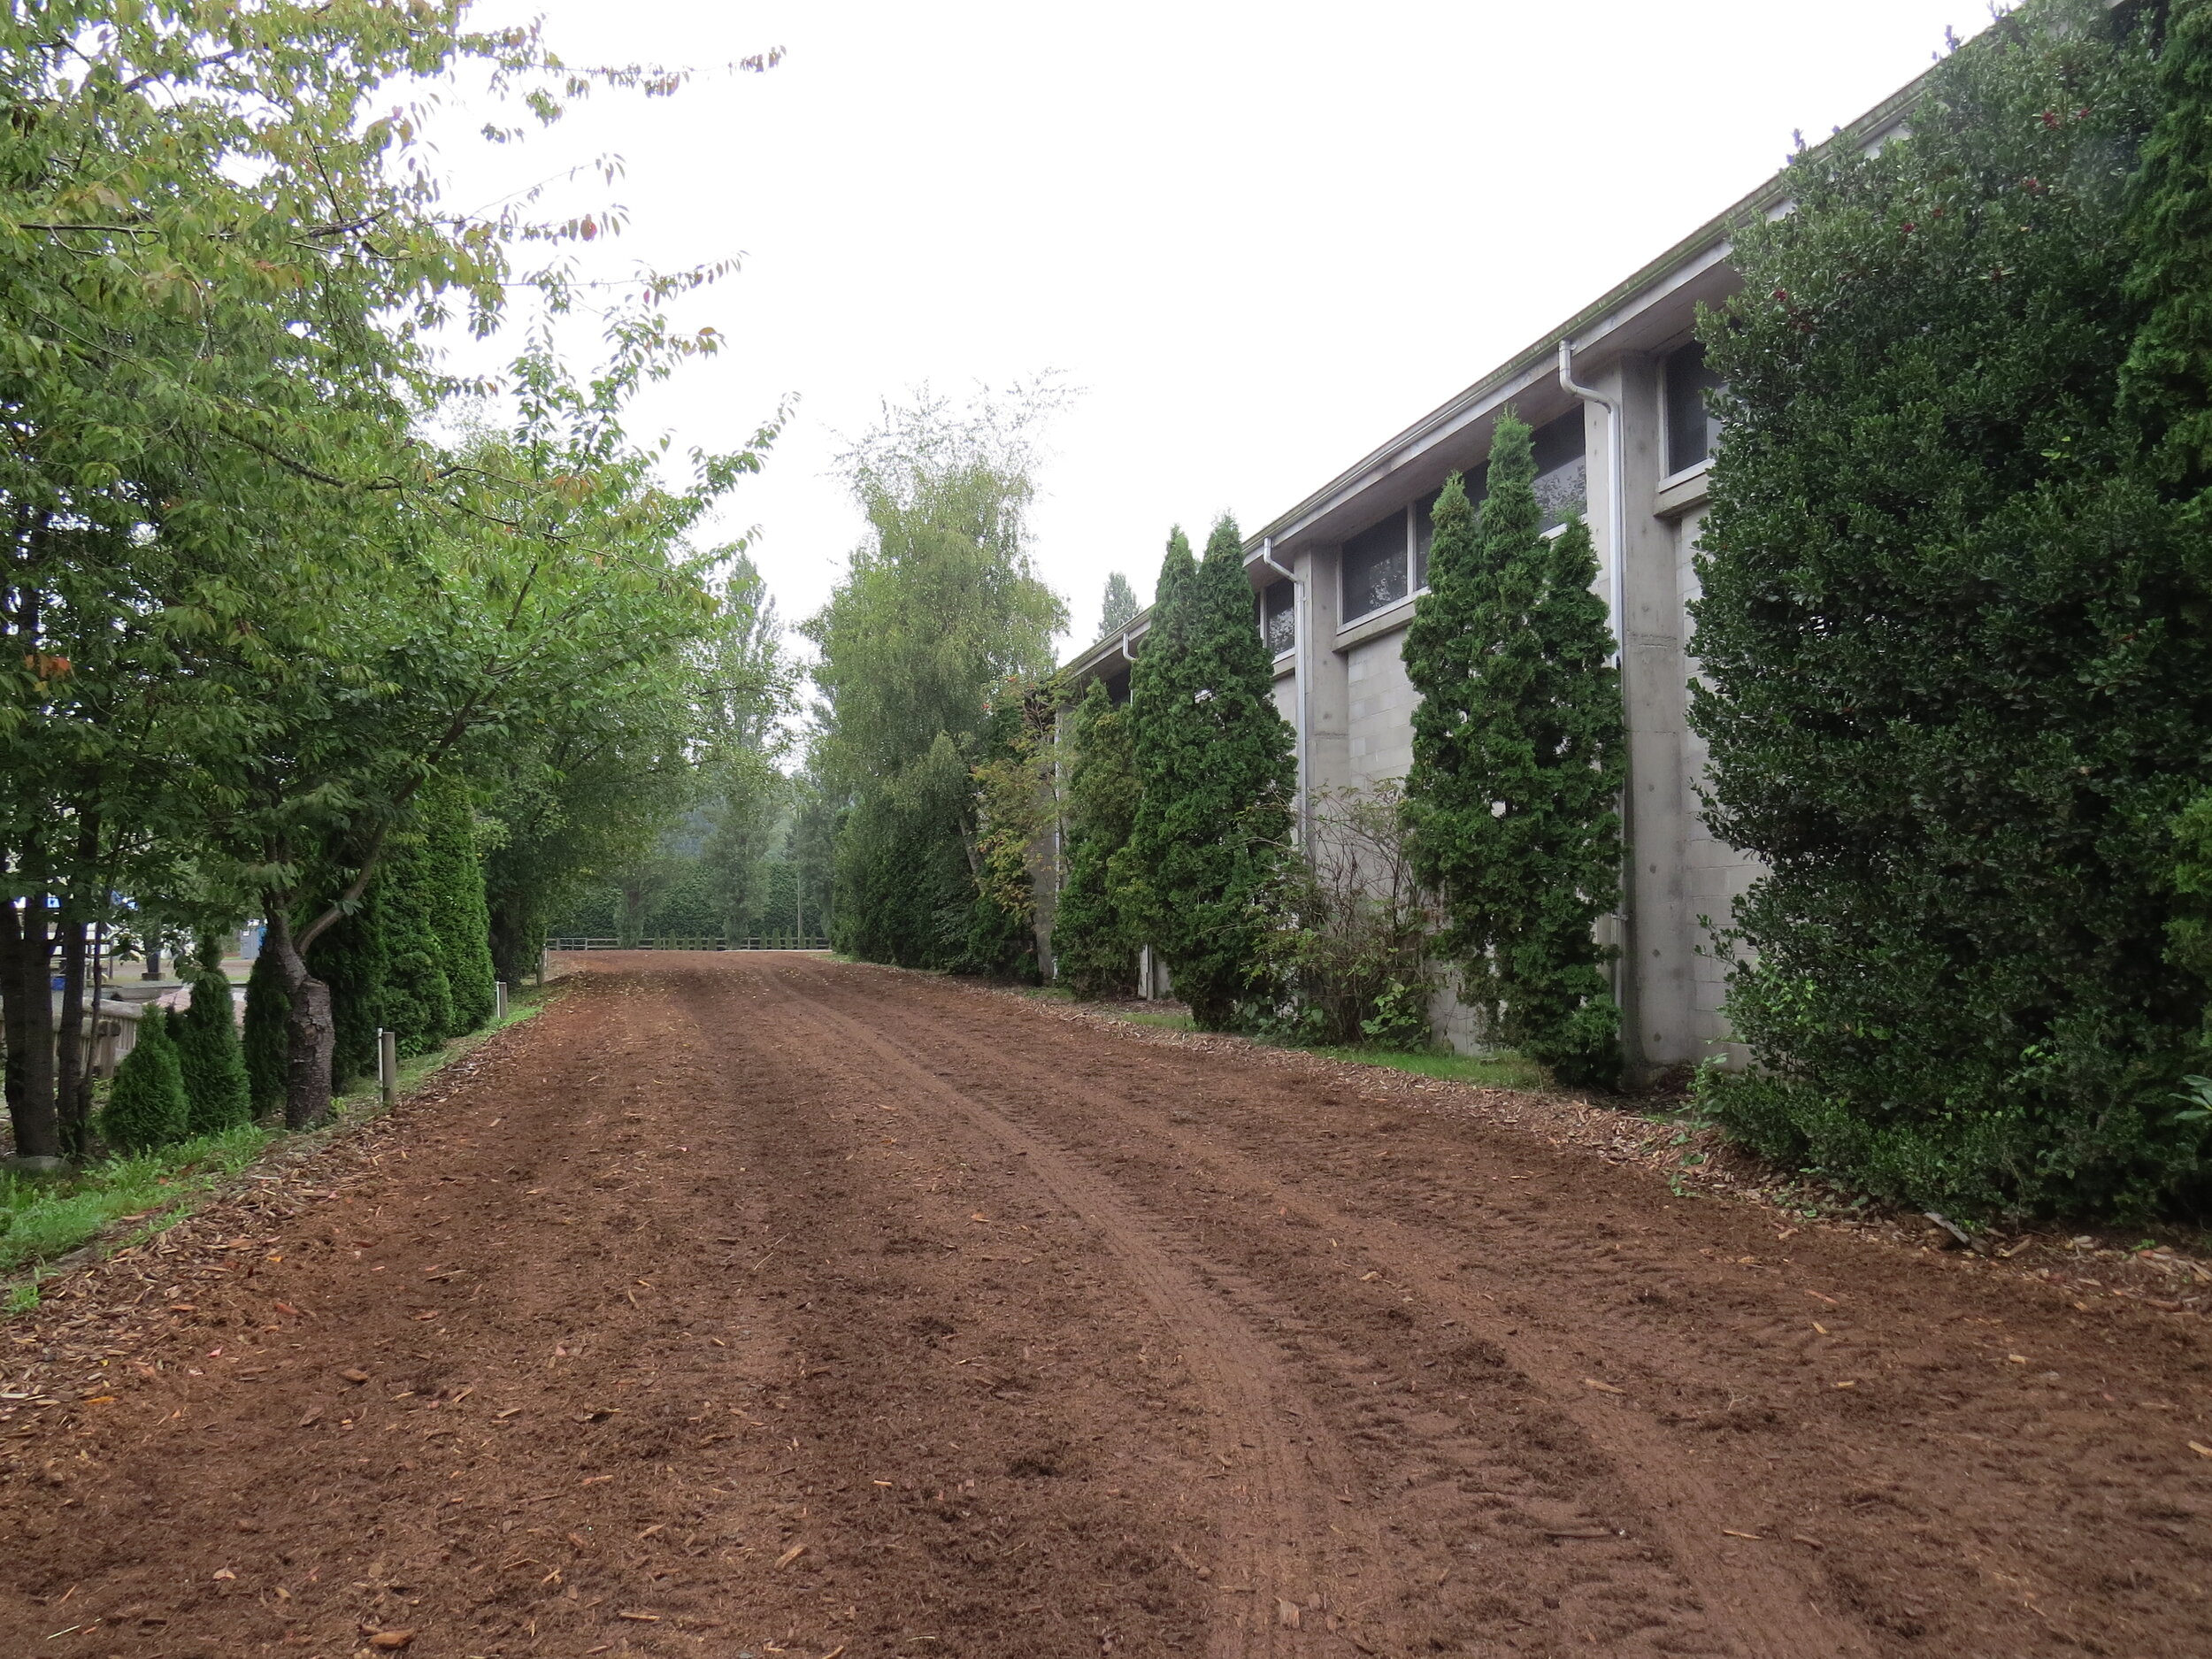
x=1424 y=537
x=1563 y=469
x=1279 y=616
x=1375 y=567
x=1692 y=430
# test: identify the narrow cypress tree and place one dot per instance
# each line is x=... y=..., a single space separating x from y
x=1512 y=801
x=1093 y=949
x=350 y=958
x=1203 y=864
x=414 y=998
x=459 y=916
x=265 y=1043
x=147 y=1106
x=207 y=1050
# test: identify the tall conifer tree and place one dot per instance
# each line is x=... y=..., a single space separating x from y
x=1512 y=801
x=459 y=917
x=1202 y=867
x=1094 y=948
x=352 y=960
x=413 y=996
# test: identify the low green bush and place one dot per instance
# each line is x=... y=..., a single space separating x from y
x=147 y=1106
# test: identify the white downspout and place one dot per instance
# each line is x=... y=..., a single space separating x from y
x=1616 y=495
x=1301 y=634
x=1625 y=966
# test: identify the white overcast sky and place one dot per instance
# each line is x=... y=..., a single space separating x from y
x=1262 y=238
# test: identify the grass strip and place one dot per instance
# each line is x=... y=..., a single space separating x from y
x=1502 y=1070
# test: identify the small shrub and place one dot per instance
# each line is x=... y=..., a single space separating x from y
x=147 y=1108
x=266 y=1044
x=1355 y=965
x=211 y=1058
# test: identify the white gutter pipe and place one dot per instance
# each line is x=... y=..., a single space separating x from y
x=1624 y=965
x=1300 y=645
x=1615 y=494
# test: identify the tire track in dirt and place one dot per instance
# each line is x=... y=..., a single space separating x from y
x=1224 y=1308
x=1276 y=1541
x=1981 y=1430
x=763 y=1304
x=1769 y=1612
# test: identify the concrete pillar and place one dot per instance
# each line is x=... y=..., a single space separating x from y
x=1326 y=762
x=1653 y=673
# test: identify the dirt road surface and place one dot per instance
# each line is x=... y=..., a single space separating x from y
x=743 y=1305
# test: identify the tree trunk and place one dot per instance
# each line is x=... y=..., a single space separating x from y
x=310 y=1033
x=72 y=1084
x=73 y=1080
x=26 y=952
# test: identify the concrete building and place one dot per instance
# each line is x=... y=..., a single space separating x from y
x=1615 y=394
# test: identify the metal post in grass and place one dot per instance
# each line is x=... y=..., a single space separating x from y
x=499 y=999
x=388 y=1064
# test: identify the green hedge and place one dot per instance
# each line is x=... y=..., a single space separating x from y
x=1956 y=681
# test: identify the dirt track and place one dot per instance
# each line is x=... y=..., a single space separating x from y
x=753 y=1304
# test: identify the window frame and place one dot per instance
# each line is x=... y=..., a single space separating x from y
x=1279 y=653
x=1667 y=370
x=1344 y=618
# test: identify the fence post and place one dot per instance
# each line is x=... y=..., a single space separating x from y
x=388 y=1064
x=499 y=999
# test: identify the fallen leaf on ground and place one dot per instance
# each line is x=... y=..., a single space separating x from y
x=391 y=1640
x=354 y=1376
x=790 y=1555
x=1602 y=1388
x=2201 y=1448
x=1288 y=1614
x=224 y=1573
